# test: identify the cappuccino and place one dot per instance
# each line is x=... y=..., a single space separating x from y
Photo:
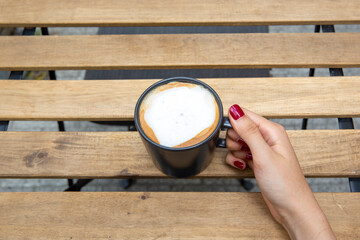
x=179 y=114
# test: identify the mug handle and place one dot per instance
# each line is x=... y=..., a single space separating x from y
x=221 y=142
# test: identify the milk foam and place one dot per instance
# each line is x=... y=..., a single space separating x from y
x=178 y=114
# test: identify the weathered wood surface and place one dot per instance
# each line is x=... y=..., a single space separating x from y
x=116 y=99
x=321 y=153
x=152 y=51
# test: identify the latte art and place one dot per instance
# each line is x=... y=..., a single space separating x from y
x=179 y=114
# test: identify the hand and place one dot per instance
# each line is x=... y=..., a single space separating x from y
x=265 y=147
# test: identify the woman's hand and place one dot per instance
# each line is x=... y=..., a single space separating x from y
x=265 y=147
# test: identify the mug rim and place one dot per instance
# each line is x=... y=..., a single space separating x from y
x=179 y=79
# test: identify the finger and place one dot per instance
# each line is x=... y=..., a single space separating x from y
x=235 y=162
x=232 y=134
x=248 y=130
x=242 y=155
x=250 y=163
x=235 y=146
x=235 y=137
x=230 y=159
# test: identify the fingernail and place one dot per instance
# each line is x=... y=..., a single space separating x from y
x=239 y=164
x=242 y=142
x=244 y=148
x=248 y=156
x=236 y=112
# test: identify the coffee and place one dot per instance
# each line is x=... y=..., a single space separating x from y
x=179 y=114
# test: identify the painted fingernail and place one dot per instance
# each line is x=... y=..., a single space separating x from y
x=242 y=142
x=248 y=156
x=239 y=164
x=236 y=112
x=244 y=148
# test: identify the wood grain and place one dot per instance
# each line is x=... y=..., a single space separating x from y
x=31 y=13
x=116 y=99
x=321 y=153
x=151 y=51
x=134 y=215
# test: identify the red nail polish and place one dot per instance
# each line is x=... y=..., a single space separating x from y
x=248 y=156
x=239 y=164
x=242 y=142
x=244 y=148
x=236 y=112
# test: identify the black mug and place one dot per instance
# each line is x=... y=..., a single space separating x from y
x=185 y=161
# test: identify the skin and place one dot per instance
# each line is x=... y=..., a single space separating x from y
x=278 y=173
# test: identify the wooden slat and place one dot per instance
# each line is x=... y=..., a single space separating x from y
x=159 y=215
x=116 y=99
x=321 y=153
x=260 y=50
x=31 y=13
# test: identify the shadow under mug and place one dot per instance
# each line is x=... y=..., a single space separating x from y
x=186 y=161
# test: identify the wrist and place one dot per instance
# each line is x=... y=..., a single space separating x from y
x=308 y=224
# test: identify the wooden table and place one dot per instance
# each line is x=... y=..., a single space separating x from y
x=81 y=155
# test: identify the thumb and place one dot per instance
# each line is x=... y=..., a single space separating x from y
x=248 y=130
